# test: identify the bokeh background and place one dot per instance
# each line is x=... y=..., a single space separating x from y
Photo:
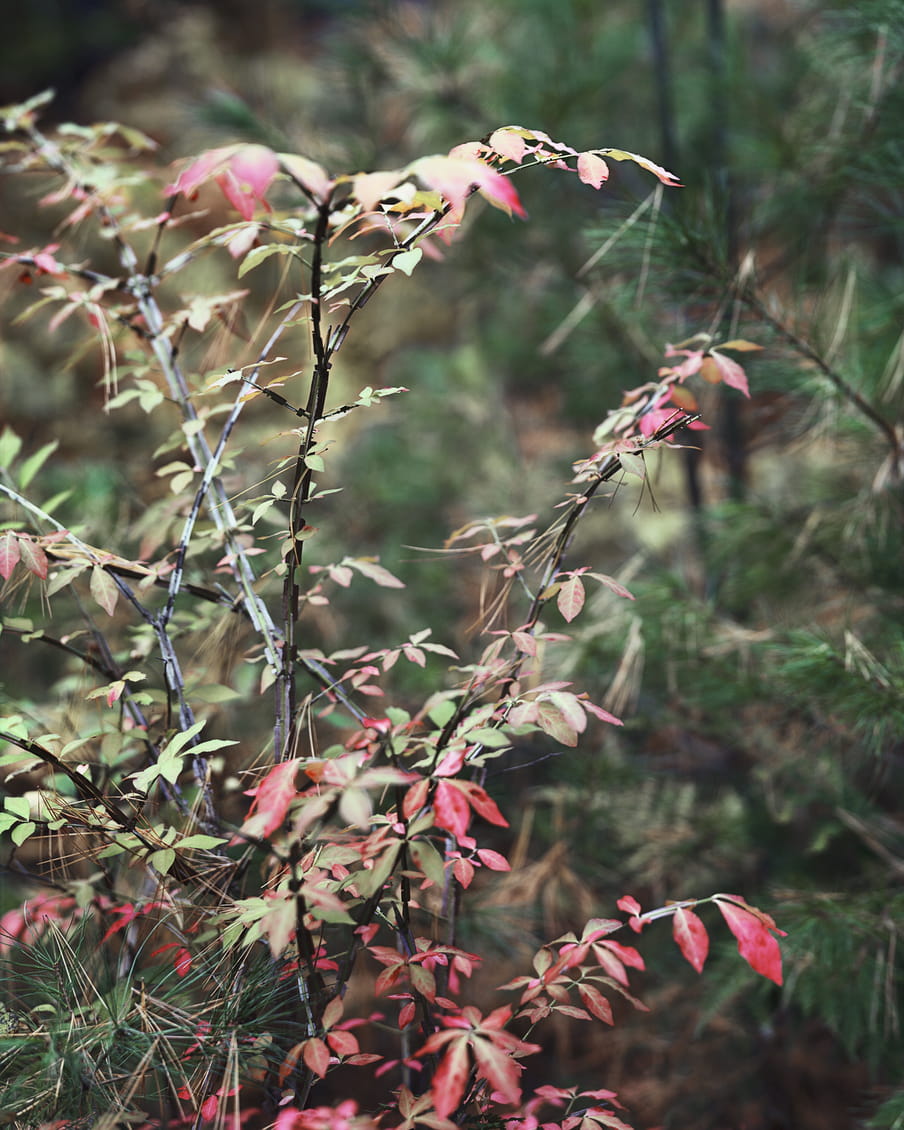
x=761 y=669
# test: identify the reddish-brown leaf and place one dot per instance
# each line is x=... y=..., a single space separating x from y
x=343 y=1043
x=316 y=1056
x=33 y=557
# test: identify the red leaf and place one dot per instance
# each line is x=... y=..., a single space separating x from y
x=272 y=798
x=415 y=798
x=449 y=1081
x=483 y=804
x=451 y=763
x=33 y=557
x=9 y=553
x=691 y=936
x=182 y=961
x=755 y=942
x=450 y=808
x=209 y=1107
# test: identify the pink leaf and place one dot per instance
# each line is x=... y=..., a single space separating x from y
x=272 y=799
x=508 y=144
x=452 y=762
x=449 y=1081
x=755 y=941
x=308 y=173
x=691 y=936
x=612 y=584
x=592 y=169
x=9 y=553
x=493 y=860
x=570 y=600
x=376 y=573
x=629 y=904
x=243 y=173
x=730 y=372
x=603 y=715
x=456 y=177
x=596 y=1003
x=370 y=188
x=497 y=1066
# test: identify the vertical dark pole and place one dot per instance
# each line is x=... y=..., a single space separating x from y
x=668 y=144
x=663 y=79
x=731 y=430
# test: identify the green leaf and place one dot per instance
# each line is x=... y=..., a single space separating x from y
x=257 y=255
x=441 y=712
x=215 y=692
x=10 y=446
x=428 y=860
x=490 y=737
x=18 y=806
x=367 y=883
x=201 y=842
x=209 y=746
x=182 y=739
x=406 y=261
x=33 y=463
x=21 y=832
x=162 y=860
x=632 y=464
